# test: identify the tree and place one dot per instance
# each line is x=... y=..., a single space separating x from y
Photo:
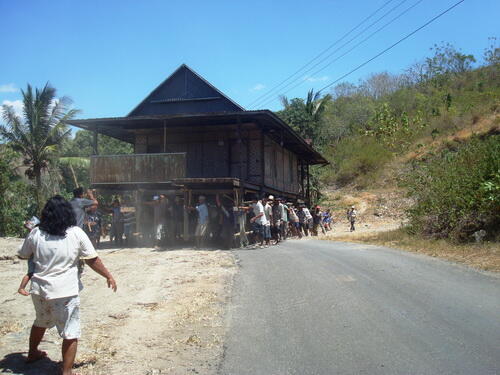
x=82 y=145
x=16 y=202
x=38 y=135
x=447 y=60
x=382 y=84
x=491 y=54
x=72 y=163
x=306 y=117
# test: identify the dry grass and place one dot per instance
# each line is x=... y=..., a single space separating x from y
x=485 y=256
x=484 y=125
x=8 y=327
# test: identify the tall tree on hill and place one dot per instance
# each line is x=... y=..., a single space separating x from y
x=306 y=116
x=40 y=131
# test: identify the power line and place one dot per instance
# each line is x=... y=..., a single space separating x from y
x=395 y=44
x=323 y=52
x=269 y=100
x=262 y=101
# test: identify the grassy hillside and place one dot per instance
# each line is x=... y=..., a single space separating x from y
x=406 y=124
x=431 y=135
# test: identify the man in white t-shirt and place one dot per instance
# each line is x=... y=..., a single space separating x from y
x=268 y=211
x=259 y=219
x=56 y=246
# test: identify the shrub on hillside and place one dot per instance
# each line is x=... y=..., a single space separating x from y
x=458 y=191
x=358 y=156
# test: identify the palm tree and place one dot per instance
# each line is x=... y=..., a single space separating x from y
x=74 y=162
x=316 y=105
x=306 y=115
x=38 y=135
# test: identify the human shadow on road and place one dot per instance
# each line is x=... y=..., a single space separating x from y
x=15 y=363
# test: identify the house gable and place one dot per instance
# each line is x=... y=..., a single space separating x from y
x=185 y=92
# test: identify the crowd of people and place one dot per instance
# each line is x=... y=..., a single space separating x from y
x=274 y=220
x=271 y=220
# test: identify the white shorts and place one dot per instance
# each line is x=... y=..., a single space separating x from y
x=201 y=230
x=64 y=313
x=159 y=232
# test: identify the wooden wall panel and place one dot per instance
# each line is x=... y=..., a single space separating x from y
x=194 y=157
x=218 y=154
x=137 y=168
x=238 y=155
x=254 y=161
x=279 y=173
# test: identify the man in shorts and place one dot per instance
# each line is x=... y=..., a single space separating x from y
x=284 y=218
x=258 y=220
x=202 y=224
x=277 y=220
x=268 y=211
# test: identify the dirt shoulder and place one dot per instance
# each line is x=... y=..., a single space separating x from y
x=381 y=215
x=166 y=318
x=484 y=256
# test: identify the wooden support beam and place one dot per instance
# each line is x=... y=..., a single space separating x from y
x=138 y=211
x=94 y=141
x=164 y=136
x=308 y=193
x=186 y=215
x=262 y=161
x=282 y=150
x=302 y=177
x=240 y=149
x=229 y=156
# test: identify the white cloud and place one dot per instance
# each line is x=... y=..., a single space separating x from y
x=16 y=104
x=316 y=79
x=9 y=87
x=258 y=87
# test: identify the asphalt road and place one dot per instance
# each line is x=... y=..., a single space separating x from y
x=318 y=307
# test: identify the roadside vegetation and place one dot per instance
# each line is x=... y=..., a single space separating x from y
x=431 y=133
x=39 y=156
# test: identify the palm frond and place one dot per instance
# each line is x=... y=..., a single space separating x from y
x=75 y=161
x=284 y=101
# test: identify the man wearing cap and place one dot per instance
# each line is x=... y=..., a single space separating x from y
x=351 y=216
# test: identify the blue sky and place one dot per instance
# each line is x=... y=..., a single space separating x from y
x=108 y=55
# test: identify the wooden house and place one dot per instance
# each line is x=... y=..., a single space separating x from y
x=189 y=138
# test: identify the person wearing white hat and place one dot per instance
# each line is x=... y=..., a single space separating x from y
x=351 y=216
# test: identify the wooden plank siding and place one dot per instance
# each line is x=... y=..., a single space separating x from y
x=137 y=168
x=213 y=153
x=281 y=168
x=210 y=153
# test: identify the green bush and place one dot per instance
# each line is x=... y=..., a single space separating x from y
x=358 y=156
x=16 y=197
x=457 y=192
